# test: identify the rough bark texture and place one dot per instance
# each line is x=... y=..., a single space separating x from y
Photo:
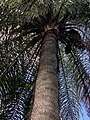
x=46 y=92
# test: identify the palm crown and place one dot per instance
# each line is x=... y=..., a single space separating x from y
x=21 y=48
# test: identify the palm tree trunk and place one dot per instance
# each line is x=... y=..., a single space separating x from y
x=46 y=92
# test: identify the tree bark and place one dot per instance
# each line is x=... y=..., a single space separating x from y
x=46 y=93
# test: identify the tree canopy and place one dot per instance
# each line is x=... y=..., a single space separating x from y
x=22 y=26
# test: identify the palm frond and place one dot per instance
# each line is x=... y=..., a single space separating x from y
x=69 y=104
x=83 y=82
x=18 y=80
x=31 y=44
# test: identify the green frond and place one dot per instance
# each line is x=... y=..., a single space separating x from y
x=17 y=84
x=74 y=74
x=83 y=82
x=69 y=101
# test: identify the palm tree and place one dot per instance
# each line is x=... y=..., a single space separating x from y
x=48 y=78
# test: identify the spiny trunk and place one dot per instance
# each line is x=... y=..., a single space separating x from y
x=46 y=92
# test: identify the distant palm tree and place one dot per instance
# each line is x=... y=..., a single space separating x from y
x=47 y=79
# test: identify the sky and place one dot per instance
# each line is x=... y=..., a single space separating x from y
x=84 y=115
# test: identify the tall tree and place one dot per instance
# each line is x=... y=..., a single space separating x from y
x=44 y=73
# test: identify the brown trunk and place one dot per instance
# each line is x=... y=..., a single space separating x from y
x=46 y=92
